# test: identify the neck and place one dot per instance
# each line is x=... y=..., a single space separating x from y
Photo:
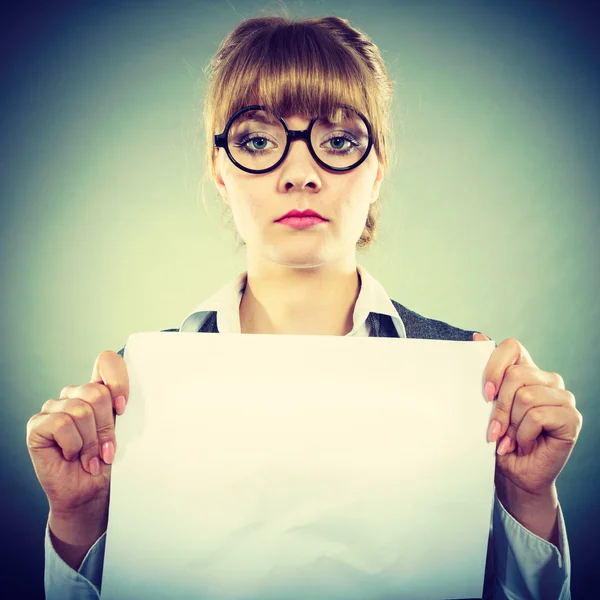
x=312 y=301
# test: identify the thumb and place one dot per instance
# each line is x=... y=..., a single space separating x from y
x=480 y=337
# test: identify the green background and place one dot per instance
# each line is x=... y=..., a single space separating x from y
x=489 y=221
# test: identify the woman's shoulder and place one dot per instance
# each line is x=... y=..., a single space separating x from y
x=418 y=326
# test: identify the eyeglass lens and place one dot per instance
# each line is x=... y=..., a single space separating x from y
x=257 y=139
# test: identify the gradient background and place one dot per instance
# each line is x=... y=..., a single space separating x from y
x=490 y=214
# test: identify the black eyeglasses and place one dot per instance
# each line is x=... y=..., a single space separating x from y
x=250 y=130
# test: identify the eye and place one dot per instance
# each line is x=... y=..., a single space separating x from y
x=258 y=144
x=338 y=143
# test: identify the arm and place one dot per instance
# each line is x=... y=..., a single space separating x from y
x=535 y=423
x=522 y=565
x=71 y=443
x=62 y=582
x=73 y=535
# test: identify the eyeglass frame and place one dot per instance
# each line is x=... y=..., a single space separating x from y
x=291 y=135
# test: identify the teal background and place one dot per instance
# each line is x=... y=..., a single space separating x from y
x=489 y=221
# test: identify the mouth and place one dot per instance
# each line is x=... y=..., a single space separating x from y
x=302 y=214
x=301 y=222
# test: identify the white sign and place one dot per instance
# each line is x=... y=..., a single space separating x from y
x=294 y=467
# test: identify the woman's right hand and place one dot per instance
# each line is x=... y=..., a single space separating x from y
x=72 y=443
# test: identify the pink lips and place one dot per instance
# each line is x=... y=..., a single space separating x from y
x=301 y=222
x=302 y=213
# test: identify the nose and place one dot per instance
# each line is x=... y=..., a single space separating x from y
x=299 y=169
x=299 y=148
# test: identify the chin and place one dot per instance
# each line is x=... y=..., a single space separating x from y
x=298 y=259
x=303 y=262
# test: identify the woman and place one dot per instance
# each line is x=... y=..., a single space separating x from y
x=272 y=82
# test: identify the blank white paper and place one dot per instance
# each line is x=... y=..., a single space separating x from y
x=287 y=467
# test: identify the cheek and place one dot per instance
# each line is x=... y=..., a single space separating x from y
x=236 y=183
x=239 y=183
x=247 y=197
x=357 y=192
x=230 y=175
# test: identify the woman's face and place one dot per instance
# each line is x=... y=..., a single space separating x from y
x=300 y=183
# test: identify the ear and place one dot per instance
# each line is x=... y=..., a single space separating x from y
x=377 y=184
x=222 y=189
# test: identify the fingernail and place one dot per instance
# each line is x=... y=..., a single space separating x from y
x=95 y=466
x=494 y=431
x=489 y=390
x=120 y=404
x=108 y=452
x=504 y=446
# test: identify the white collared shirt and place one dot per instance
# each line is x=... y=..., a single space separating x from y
x=372 y=298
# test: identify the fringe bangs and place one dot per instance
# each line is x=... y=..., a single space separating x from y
x=293 y=69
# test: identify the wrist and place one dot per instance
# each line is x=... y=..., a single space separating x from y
x=536 y=511
x=74 y=533
x=79 y=527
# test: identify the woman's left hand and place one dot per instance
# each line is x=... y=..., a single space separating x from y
x=534 y=418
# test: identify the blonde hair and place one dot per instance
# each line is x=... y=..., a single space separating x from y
x=305 y=67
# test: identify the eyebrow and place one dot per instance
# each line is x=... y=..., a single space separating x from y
x=259 y=115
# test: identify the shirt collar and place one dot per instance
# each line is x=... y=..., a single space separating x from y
x=372 y=298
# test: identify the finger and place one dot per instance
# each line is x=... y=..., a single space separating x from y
x=47 y=430
x=489 y=391
x=83 y=418
x=480 y=337
x=110 y=370
x=561 y=422
x=99 y=398
x=515 y=378
x=509 y=352
x=526 y=398
x=533 y=396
